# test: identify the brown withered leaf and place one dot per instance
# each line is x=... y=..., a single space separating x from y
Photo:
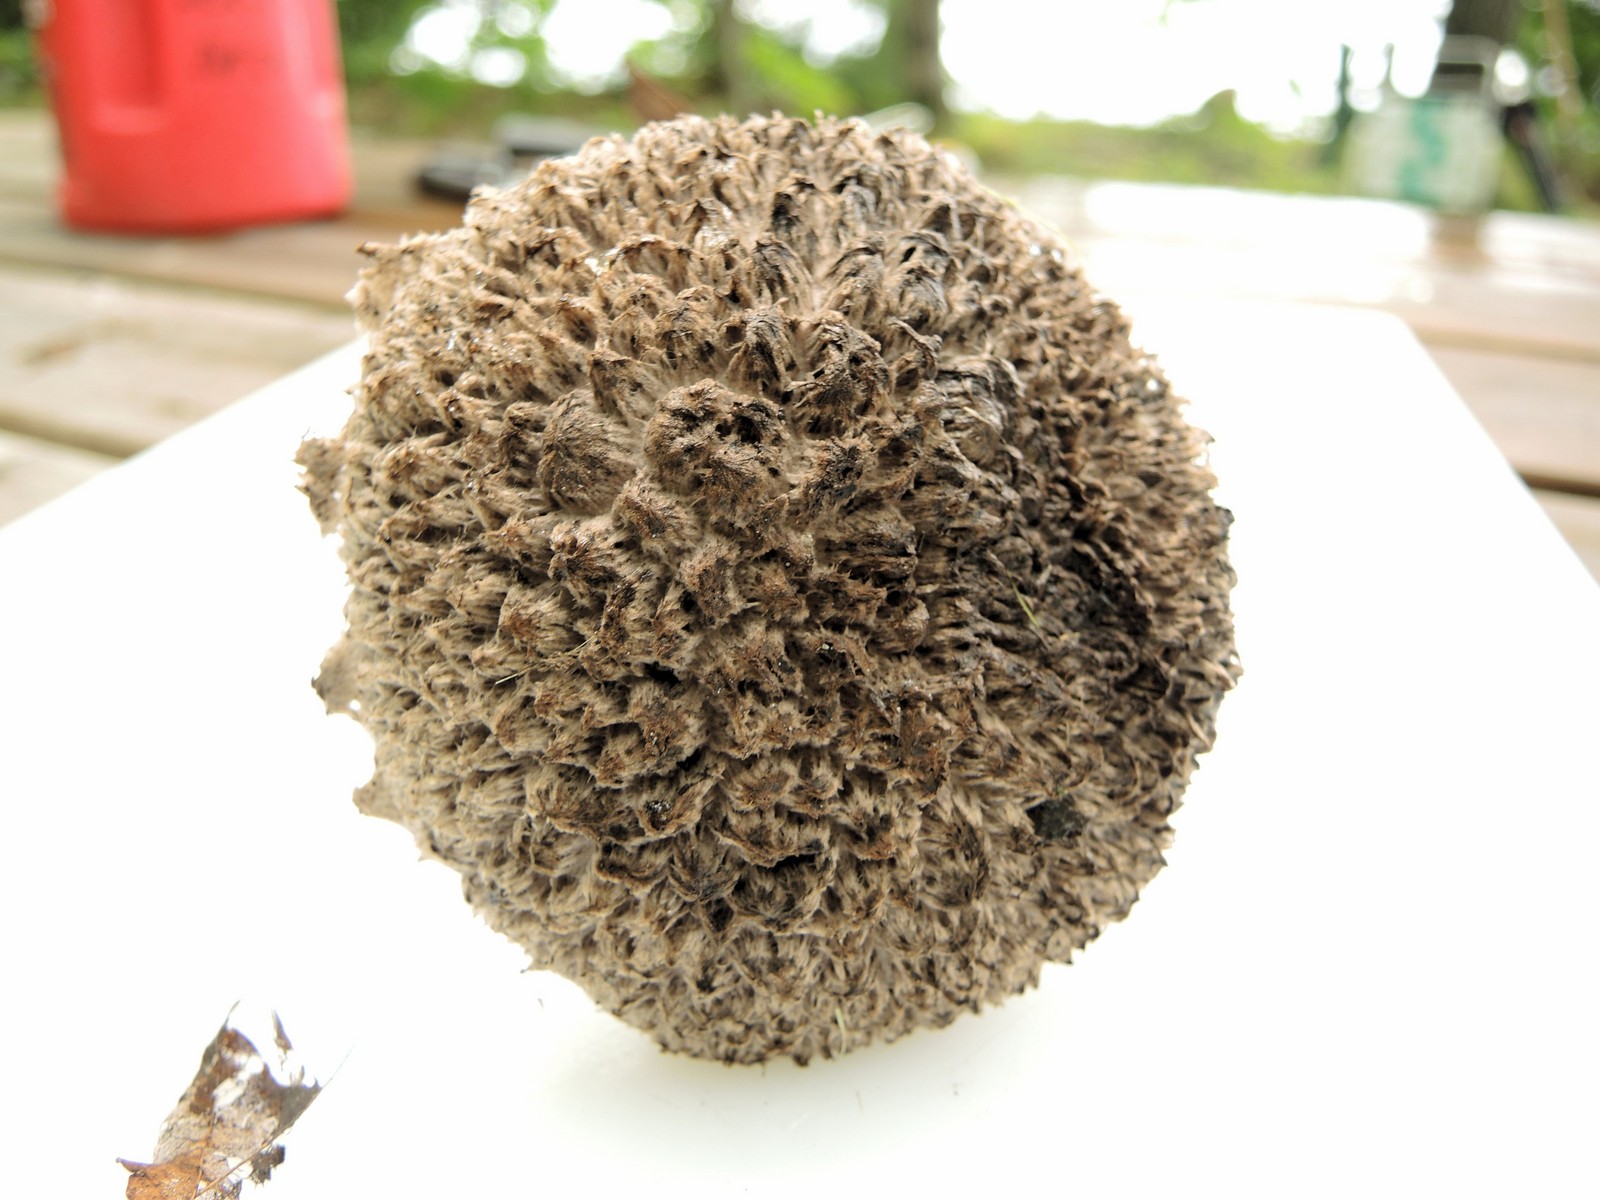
x=227 y=1124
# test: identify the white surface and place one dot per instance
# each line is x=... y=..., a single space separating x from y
x=1369 y=969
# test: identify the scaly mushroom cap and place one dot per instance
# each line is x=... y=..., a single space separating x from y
x=779 y=589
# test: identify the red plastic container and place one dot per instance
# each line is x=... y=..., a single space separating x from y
x=184 y=116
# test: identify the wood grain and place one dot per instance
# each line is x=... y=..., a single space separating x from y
x=1578 y=519
x=33 y=471
x=112 y=367
x=1543 y=413
x=313 y=262
x=108 y=344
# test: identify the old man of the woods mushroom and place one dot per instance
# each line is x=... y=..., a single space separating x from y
x=778 y=588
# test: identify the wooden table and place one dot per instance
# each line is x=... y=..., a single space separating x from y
x=1367 y=970
x=109 y=344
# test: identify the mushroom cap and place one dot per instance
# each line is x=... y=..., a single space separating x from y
x=778 y=587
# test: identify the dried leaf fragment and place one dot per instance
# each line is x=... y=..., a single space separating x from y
x=227 y=1124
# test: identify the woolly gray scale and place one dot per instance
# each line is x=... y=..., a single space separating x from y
x=779 y=588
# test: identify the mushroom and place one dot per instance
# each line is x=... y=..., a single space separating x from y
x=778 y=587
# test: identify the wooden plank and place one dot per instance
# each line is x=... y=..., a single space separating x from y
x=1543 y=414
x=312 y=261
x=383 y=167
x=1578 y=519
x=1516 y=310
x=1517 y=281
x=32 y=471
x=28 y=153
x=1381 y=230
x=112 y=367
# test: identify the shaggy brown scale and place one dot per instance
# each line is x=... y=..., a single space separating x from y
x=779 y=589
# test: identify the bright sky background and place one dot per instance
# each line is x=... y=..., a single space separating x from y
x=1116 y=62
x=1126 y=62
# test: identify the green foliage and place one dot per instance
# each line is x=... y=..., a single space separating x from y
x=791 y=84
x=19 y=71
x=775 y=69
x=1579 y=157
x=370 y=30
x=1583 y=22
x=686 y=56
x=422 y=96
x=1215 y=146
x=20 y=83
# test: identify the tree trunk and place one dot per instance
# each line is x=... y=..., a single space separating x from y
x=924 y=69
x=1496 y=20
x=730 y=74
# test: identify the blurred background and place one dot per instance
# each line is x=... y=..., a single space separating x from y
x=1246 y=93
x=1440 y=161
x=1243 y=93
